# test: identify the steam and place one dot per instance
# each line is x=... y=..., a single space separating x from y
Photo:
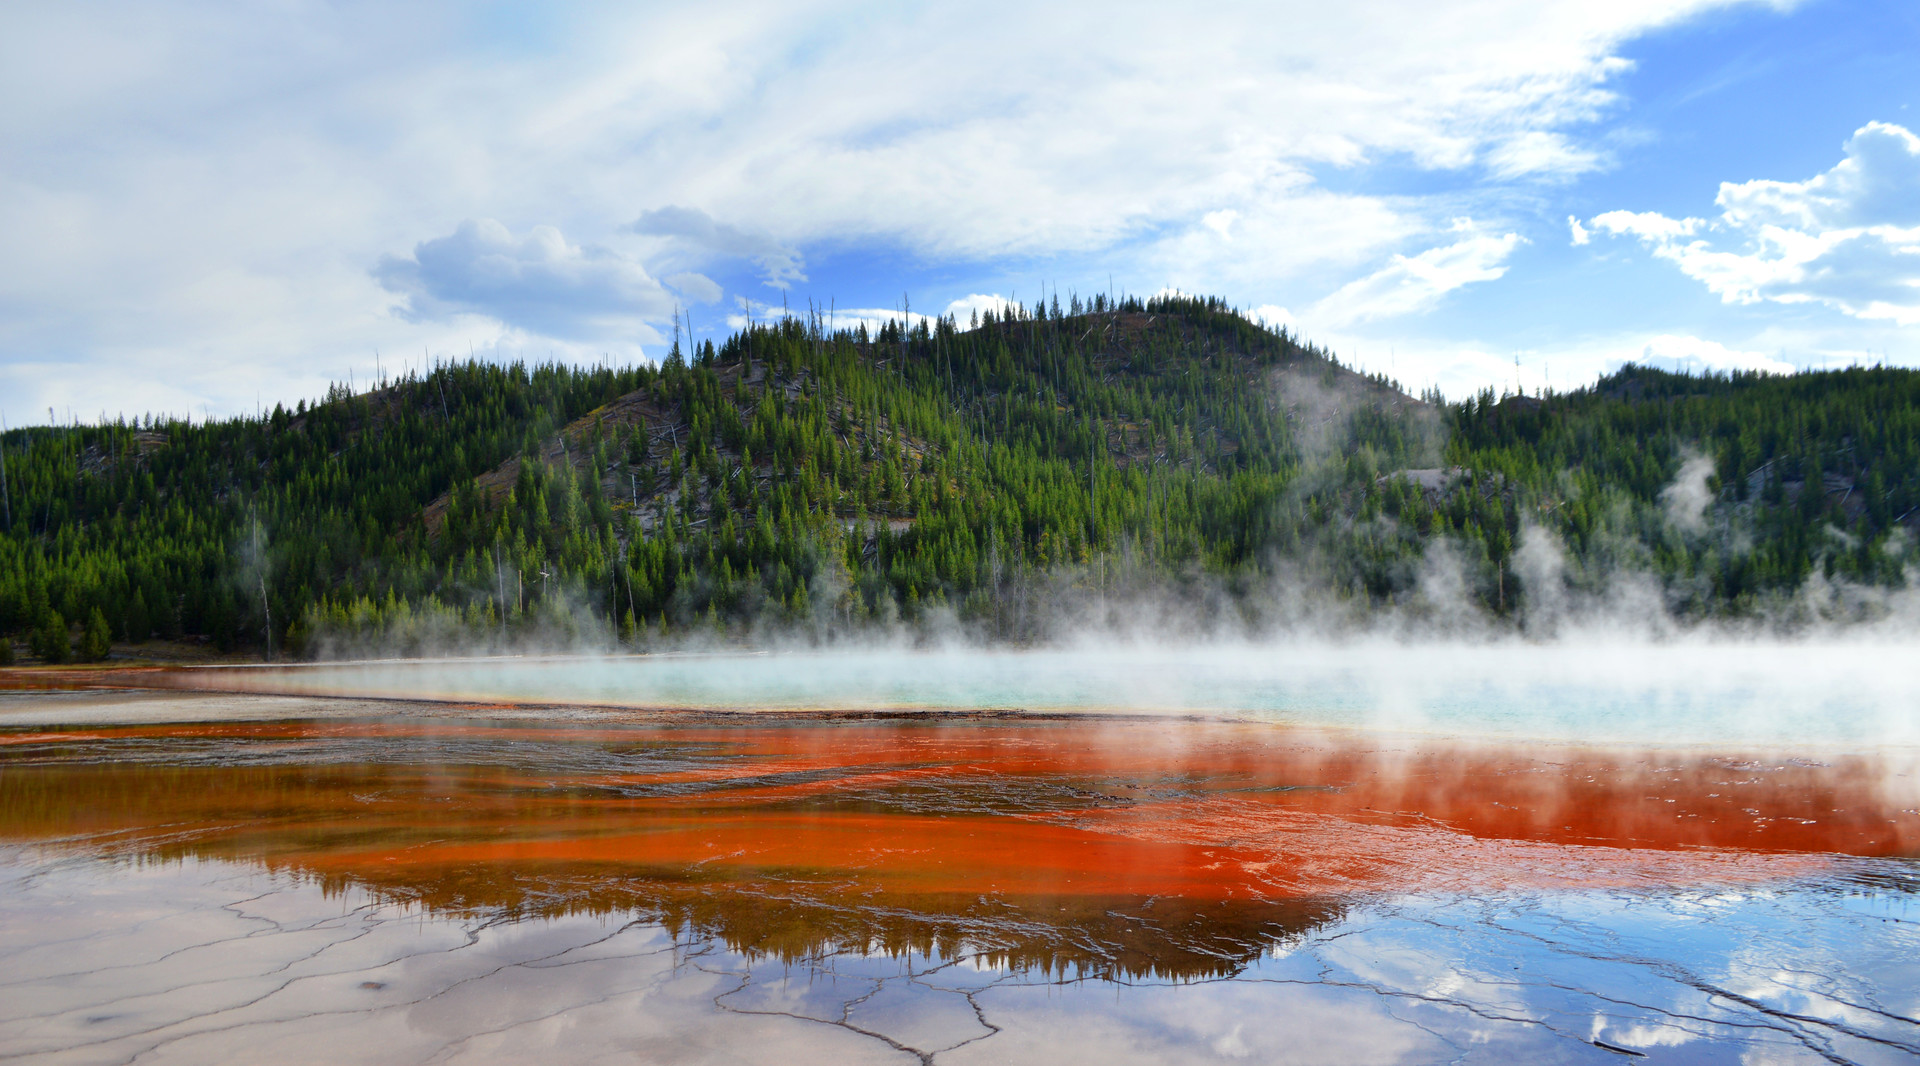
x=1607 y=595
x=1806 y=696
x=1688 y=498
x=1541 y=566
x=1320 y=403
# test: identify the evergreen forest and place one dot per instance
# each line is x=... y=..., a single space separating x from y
x=995 y=478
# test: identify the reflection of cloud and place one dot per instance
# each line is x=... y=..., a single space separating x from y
x=1405 y=980
x=1411 y=284
x=697 y=229
x=538 y=282
x=1204 y=1022
x=1848 y=238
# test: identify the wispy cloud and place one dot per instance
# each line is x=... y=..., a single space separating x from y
x=1542 y=154
x=1416 y=283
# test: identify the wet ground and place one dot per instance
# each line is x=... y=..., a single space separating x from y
x=216 y=878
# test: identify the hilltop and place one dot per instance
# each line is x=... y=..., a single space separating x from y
x=983 y=476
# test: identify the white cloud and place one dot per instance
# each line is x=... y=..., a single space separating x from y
x=1220 y=222
x=1541 y=153
x=1648 y=225
x=1694 y=355
x=1273 y=317
x=1848 y=238
x=1877 y=184
x=538 y=283
x=1411 y=284
x=264 y=158
x=701 y=236
x=1284 y=233
x=1460 y=370
x=967 y=306
x=1579 y=232
x=833 y=318
x=697 y=288
x=875 y=317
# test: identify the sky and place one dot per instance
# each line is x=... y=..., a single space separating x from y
x=206 y=209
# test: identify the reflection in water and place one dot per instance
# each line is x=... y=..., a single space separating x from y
x=907 y=883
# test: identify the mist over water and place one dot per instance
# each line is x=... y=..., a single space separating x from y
x=1695 y=693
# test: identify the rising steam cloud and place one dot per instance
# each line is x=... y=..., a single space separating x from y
x=1689 y=496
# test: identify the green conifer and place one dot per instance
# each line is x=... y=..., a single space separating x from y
x=97 y=640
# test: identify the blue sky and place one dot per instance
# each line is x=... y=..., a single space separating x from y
x=208 y=206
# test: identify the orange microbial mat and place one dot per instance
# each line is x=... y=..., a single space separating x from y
x=1016 y=808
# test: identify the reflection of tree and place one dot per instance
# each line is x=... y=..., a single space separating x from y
x=1125 y=938
x=352 y=825
x=1039 y=848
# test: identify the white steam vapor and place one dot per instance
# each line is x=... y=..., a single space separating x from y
x=1809 y=695
x=1689 y=496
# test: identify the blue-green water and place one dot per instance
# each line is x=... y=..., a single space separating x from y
x=1680 y=693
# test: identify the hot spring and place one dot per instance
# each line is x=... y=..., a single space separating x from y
x=1697 y=851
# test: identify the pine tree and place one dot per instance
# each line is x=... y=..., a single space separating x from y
x=52 y=643
x=98 y=638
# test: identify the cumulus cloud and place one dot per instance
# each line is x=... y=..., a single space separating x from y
x=1411 y=284
x=538 y=283
x=1877 y=184
x=698 y=231
x=1848 y=238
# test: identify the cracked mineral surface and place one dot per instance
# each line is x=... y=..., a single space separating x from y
x=196 y=878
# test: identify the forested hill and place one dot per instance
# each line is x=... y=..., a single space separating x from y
x=801 y=480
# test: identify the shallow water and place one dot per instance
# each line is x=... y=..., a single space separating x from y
x=405 y=888
x=1681 y=692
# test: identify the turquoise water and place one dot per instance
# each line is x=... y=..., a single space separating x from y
x=1798 y=694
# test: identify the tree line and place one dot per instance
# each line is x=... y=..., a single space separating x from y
x=798 y=477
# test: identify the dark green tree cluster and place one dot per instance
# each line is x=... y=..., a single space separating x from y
x=1813 y=473
x=228 y=531
x=820 y=479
